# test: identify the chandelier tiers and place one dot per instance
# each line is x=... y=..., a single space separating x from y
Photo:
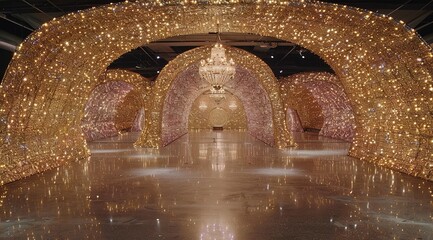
x=216 y=70
x=217 y=92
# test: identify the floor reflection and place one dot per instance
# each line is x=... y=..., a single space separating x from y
x=218 y=185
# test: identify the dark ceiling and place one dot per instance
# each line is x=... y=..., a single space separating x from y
x=18 y=18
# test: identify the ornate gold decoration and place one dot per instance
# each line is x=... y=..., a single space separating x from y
x=218 y=117
x=385 y=69
x=203 y=105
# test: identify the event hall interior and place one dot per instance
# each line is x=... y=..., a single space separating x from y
x=216 y=119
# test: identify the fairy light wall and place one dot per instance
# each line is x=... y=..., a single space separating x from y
x=302 y=100
x=384 y=67
x=130 y=113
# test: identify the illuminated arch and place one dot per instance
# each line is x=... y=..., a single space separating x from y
x=254 y=84
x=114 y=104
x=338 y=118
x=385 y=69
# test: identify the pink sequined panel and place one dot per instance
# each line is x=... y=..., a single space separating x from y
x=338 y=118
x=256 y=103
x=184 y=90
x=293 y=121
x=337 y=113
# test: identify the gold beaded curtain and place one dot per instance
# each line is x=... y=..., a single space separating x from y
x=262 y=74
x=385 y=69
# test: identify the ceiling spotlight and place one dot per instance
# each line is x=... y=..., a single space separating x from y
x=158 y=57
x=272 y=56
x=281 y=71
x=157 y=71
x=300 y=53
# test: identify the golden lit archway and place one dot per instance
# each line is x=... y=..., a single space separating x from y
x=385 y=69
x=254 y=82
x=116 y=104
x=338 y=120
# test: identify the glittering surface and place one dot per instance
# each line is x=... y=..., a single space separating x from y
x=179 y=85
x=385 y=69
x=258 y=106
x=129 y=112
x=177 y=105
x=338 y=119
x=237 y=186
x=100 y=112
x=293 y=122
x=302 y=100
x=115 y=104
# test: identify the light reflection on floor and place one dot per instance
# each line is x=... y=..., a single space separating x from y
x=218 y=185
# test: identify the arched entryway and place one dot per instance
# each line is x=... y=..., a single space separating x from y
x=253 y=83
x=117 y=104
x=328 y=103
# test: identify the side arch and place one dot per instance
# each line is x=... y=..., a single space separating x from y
x=385 y=69
x=114 y=104
x=338 y=118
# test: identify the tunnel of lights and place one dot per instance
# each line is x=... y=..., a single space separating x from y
x=384 y=68
x=246 y=85
x=269 y=127
x=334 y=112
x=115 y=105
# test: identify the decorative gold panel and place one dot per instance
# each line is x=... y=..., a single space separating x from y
x=199 y=117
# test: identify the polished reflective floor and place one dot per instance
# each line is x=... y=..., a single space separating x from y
x=218 y=185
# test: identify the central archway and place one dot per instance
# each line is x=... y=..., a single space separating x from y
x=254 y=83
x=385 y=69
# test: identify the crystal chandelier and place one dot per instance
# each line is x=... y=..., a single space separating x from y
x=217 y=70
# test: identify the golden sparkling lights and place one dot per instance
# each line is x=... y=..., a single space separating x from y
x=385 y=69
x=321 y=103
